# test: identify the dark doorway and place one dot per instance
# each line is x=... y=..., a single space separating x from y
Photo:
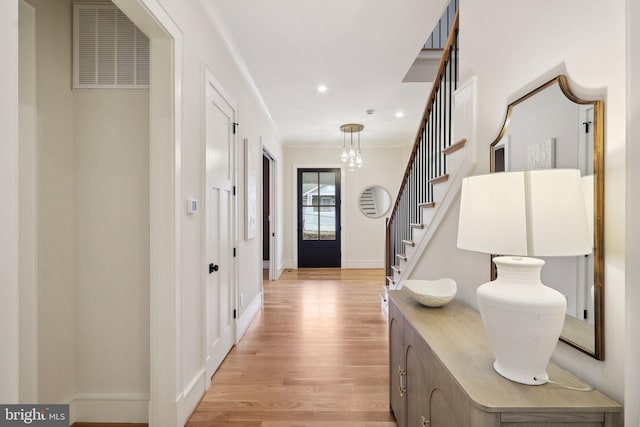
x=499 y=155
x=319 y=218
x=269 y=217
x=266 y=173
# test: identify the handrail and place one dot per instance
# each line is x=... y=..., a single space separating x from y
x=427 y=150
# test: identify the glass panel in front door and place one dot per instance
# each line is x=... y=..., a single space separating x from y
x=318 y=206
x=327 y=205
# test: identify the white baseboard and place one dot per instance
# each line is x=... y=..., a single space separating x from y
x=110 y=407
x=359 y=263
x=191 y=395
x=364 y=263
x=248 y=315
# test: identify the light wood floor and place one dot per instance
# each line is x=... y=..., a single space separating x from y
x=317 y=355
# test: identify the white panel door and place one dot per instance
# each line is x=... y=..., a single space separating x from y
x=585 y=308
x=220 y=291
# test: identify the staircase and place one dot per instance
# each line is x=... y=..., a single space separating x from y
x=443 y=154
x=446 y=191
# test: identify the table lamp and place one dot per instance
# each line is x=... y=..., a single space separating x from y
x=522 y=215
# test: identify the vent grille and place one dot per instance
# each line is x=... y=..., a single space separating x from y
x=109 y=51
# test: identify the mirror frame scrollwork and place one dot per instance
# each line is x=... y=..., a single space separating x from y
x=598 y=202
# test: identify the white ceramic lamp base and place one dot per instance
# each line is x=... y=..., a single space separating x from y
x=523 y=319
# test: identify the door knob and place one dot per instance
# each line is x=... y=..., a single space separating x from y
x=213 y=267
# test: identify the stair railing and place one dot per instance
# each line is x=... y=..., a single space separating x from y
x=439 y=35
x=427 y=161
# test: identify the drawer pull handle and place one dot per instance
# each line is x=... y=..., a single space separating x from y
x=401 y=388
x=424 y=422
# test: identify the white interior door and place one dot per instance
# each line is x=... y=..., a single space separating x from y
x=220 y=289
x=585 y=305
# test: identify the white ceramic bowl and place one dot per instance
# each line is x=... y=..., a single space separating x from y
x=431 y=293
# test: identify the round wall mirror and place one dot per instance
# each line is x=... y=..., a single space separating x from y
x=374 y=201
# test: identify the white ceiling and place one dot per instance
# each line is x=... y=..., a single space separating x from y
x=360 y=49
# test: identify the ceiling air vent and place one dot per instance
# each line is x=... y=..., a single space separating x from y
x=109 y=51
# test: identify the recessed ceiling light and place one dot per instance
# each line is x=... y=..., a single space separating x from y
x=322 y=88
x=399 y=114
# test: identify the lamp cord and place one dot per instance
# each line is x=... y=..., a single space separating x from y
x=587 y=388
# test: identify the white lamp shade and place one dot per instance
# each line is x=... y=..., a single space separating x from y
x=529 y=213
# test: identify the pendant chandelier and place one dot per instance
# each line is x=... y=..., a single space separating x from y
x=351 y=154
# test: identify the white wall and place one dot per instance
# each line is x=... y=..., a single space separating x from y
x=55 y=201
x=111 y=174
x=363 y=238
x=584 y=39
x=632 y=367
x=93 y=230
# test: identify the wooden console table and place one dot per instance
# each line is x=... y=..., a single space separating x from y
x=441 y=372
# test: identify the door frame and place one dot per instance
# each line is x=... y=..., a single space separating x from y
x=27 y=184
x=210 y=79
x=166 y=209
x=294 y=205
x=273 y=221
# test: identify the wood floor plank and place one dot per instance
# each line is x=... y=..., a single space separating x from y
x=316 y=355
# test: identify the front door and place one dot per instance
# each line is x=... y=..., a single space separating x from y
x=319 y=218
x=219 y=292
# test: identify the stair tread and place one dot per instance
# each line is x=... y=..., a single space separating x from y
x=402 y=256
x=459 y=145
x=438 y=179
x=396 y=268
x=416 y=225
x=408 y=242
x=427 y=204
